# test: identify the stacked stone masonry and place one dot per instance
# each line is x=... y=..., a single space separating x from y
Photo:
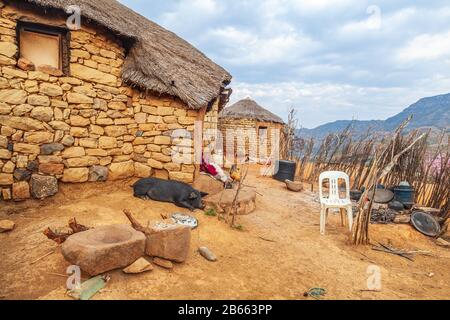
x=86 y=126
x=246 y=141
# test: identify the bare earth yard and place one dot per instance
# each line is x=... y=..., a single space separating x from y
x=295 y=259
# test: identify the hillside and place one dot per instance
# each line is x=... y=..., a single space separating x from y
x=431 y=112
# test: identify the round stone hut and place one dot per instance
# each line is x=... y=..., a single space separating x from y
x=250 y=132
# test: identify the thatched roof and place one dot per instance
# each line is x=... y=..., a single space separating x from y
x=249 y=109
x=158 y=60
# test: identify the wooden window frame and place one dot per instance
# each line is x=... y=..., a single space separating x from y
x=62 y=33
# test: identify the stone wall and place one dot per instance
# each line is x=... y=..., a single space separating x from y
x=88 y=126
x=246 y=133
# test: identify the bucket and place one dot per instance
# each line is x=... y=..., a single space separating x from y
x=286 y=170
x=405 y=195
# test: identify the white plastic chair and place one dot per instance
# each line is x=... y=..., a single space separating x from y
x=334 y=201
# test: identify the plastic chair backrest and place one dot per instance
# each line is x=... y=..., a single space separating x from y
x=333 y=177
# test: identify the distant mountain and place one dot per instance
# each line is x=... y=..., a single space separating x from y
x=432 y=112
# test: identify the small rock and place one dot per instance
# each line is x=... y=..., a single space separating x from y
x=6 y=225
x=26 y=64
x=207 y=254
x=140 y=266
x=166 y=264
x=443 y=243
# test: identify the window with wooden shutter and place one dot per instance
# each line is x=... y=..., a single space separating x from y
x=43 y=45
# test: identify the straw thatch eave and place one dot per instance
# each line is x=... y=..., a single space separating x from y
x=158 y=61
x=249 y=109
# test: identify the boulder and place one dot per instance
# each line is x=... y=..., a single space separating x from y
x=43 y=186
x=20 y=191
x=140 y=266
x=169 y=240
x=208 y=184
x=104 y=248
x=6 y=225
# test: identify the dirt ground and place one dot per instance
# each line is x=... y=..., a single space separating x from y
x=279 y=254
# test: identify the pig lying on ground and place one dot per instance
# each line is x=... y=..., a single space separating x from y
x=179 y=193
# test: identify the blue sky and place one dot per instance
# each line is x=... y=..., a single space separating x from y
x=330 y=59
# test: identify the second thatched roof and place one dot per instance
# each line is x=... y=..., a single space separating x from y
x=249 y=109
x=158 y=61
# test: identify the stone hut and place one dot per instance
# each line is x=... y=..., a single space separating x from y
x=99 y=100
x=250 y=132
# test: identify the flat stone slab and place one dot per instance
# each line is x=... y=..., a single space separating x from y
x=163 y=263
x=104 y=248
x=140 y=266
x=222 y=202
x=169 y=240
x=6 y=225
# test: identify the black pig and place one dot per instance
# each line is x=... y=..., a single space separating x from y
x=179 y=193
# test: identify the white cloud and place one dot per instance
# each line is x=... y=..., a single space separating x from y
x=191 y=14
x=243 y=47
x=425 y=47
x=313 y=6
